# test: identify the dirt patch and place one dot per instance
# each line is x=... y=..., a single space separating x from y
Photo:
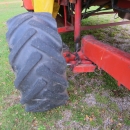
x=12 y=99
x=66 y=117
x=73 y=125
x=90 y=100
x=4 y=3
x=122 y=103
x=67 y=124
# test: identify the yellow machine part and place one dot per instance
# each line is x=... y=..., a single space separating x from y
x=46 y=6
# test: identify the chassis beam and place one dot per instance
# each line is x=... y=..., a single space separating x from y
x=83 y=28
x=112 y=60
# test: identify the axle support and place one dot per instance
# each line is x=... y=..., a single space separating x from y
x=78 y=62
x=110 y=59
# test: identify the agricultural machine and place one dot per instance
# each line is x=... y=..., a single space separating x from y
x=39 y=57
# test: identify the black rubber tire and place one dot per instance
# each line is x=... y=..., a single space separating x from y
x=36 y=58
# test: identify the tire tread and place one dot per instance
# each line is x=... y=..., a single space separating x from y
x=37 y=61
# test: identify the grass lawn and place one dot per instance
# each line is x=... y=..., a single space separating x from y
x=96 y=102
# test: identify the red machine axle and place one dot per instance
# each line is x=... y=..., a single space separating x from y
x=112 y=60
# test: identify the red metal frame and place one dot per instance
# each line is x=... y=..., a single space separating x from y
x=77 y=18
x=93 y=52
x=124 y=3
x=83 y=28
x=77 y=25
x=80 y=65
x=28 y=4
x=112 y=60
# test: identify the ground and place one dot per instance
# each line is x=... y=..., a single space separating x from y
x=96 y=102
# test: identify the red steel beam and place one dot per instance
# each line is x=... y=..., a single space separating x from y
x=65 y=29
x=83 y=28
x=77 y=26
x=112 y=60
x=84 y=68
x=103 y=25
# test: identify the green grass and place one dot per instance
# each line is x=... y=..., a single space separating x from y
x=12 y=114
x=101 y=99
x=91 y=116
x=9 y=1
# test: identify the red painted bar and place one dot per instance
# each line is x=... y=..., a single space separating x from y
x=83 y=28
x=103 y=25
x=28 y=4
x=65 y=29
x=77 y=27
x=112 y=60
x=84 y=68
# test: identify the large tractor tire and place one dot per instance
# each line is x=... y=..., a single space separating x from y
x=36 y=58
